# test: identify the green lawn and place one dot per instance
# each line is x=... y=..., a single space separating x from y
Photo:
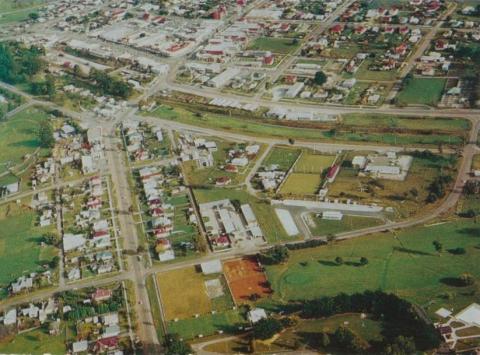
x=267 y=219
x=406 y=265
x=348 y=223
x=35 y=342
x=208 y=324
x=283 y=157
x=259 y=128
x=298 y=184
x=275 y=45
x=20 y=250
x=422 y=91
x=18 y=137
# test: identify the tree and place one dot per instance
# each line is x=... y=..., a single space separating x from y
x=45 y=135
x=324 y=340
x=363 y=260
x=176 y=346
x=54 y=262
x=348 y=340
x=266 y=328
x=320 y=78
x=276 y=255
x=438 y=246
x=51 y=239
x=466 y=279
x=33 y=16
x=339 y=260
x=401 y=346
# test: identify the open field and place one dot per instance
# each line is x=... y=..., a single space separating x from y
x=476 y=162
x=372 y=120
x=266 y=217
x=312 y=163
x=406 y=197
x=20 y=250
x=283 y=157
x=348 y=223
x=190 y=284
x=207 y=324
x=422 y=91
x=36 y=341
x=257 y=128
x=18 y=137
x=301 y=184
x=275 y=45
x=245 y=278
x=405 y=264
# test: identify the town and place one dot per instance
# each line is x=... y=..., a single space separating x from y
x=239 y=176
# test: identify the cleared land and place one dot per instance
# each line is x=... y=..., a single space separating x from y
x=20 y=239
x=299 y=184
x=422 y=91
x=275 y=45
x=245 y=278
x=18 y=137
x=406 y=264
x=348 y=223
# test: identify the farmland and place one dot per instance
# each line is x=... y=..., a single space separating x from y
x=406 y=264
x=18 y=137
x=422 y=91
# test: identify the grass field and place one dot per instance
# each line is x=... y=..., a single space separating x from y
x=20 y=250
x=476 y=162
x=422 y=91
x=406 y=264
x=18 y=137
x=197 y=176
x=275 y=45
x=258 y=128
x=266 y=217
x=190 y=284
x=299 y=184
x=207 y=324
x=372 y=120
x=283 y=157
x=37 y=341
x=348 y=223
x=311 y=163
